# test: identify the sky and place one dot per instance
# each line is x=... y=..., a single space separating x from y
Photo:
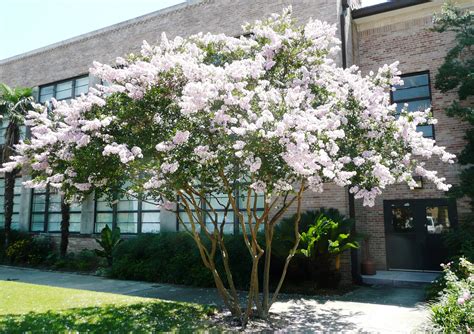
x=26 y=25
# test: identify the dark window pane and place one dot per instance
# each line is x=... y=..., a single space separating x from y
x=402 y=218
x=46 y=90
x=415 y=80
x=45 y=98
x=411 y=93
x=427 y=130
x=64 y=90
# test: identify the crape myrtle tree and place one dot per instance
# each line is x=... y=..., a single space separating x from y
x=191 y=121
x=457 y=72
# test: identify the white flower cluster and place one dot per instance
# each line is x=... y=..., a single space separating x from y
x=272 y=106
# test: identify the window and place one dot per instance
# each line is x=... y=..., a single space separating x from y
x=129 y=214
x=219 y=203
x=3 y=130
x=46 y=212
x=64 y=90
x=16 y=204
x=416 y=93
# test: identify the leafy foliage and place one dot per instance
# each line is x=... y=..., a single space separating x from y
x=460 y=241
x=457 y=73
x=25 y=249
x=326 y=236
x=453 y=311
x=109 y=240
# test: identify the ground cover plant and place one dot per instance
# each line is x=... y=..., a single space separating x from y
x=36 y=308
x=218 y=125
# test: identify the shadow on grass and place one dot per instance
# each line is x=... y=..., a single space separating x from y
x=142 y=317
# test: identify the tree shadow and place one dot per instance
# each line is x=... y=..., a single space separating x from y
x=303 y=315
x=413 y=297
x=141 y=317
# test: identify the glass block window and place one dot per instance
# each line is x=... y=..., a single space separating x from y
x=416 y=93
x=129 y=214
x=64 y=90
x=16 y=204
x=46 y=212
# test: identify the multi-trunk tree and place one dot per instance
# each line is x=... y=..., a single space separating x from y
x=191 y=121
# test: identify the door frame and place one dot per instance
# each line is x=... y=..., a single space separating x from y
x=417 y=204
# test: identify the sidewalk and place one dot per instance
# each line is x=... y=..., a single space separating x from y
x=378 y=309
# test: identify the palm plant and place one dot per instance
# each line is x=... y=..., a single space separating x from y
x=14 y=105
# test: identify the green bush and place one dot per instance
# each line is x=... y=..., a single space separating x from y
x=321 y=263
x=85 y=261
x=164 y=257
x=29 y=250
x=453 y=310
x=460 y=241
x=14 y=236
x=174 y=258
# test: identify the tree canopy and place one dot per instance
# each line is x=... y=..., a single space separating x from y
x=269 y=113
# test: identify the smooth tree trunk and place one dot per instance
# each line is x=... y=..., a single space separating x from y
x=259 y=298
x=65 y=217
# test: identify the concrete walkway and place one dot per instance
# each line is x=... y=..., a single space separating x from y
x=376 y=309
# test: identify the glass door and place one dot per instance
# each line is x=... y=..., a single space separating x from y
x=413 y=232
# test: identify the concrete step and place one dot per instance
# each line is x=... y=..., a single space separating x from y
x=400 y=278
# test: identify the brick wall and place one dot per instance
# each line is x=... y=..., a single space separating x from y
x=74 y=57
x=418 y=49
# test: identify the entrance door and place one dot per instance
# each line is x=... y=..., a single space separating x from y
x=413 y=230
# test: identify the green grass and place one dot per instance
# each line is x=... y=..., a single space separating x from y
x=37 y=308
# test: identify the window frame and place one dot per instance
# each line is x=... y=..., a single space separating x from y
x=2 y=210
x=56 y=83
x=47 y=212
x=430 y=96
x=115 y=211
x=236 y=223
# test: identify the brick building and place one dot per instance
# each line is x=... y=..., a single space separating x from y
x=403 y=227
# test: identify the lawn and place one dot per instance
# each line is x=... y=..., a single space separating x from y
x=33 y=308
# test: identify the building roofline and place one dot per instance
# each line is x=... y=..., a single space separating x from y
x=95 y=33
x=385 y=7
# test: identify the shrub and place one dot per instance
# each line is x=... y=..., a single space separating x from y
x=15 y=235
x=460 y=241
x=28 y=250
x=174 y=258
x=109 y=240
x=453 y=311
x=164 y=257
x=330 y=240
x=86 y=261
